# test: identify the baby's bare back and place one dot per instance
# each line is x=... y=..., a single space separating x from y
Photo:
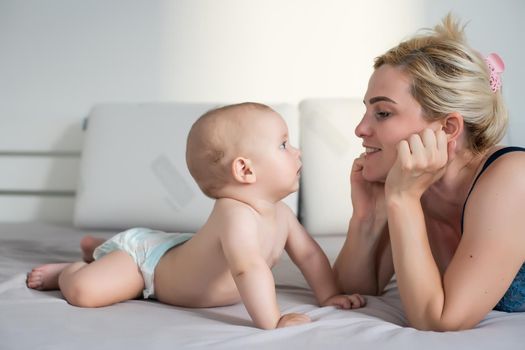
x=196 y=273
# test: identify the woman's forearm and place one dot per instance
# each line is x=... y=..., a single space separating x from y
x=357 y=266
x=418 y=277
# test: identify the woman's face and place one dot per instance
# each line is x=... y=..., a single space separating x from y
x=392 y=115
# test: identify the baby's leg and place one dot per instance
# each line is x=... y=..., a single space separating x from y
x=88 y=245
x=45 y=277
x=113 y=278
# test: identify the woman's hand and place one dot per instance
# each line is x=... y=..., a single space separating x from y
x=364 y=263
x=421 y=160
x=367 y=197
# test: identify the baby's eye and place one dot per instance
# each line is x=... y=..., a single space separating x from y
x=382 y=114
x=283 y=145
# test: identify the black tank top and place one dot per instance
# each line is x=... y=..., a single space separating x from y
x=514 y=298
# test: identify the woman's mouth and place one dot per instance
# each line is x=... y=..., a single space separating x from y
x=370 y=150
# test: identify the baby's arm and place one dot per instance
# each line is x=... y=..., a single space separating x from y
x=313 y=263
x=252 y=275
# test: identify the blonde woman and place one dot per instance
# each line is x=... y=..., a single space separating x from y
x=436 y=200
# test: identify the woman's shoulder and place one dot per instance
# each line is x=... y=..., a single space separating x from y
x=494 y=215
x=500 y=185
x=504 y=163
x=501 y=151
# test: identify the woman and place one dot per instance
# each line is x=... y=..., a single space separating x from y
x=435 y=199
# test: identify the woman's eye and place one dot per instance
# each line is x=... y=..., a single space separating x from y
x=283 y=145
x=382 y=114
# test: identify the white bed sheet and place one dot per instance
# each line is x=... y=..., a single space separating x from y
x=43 y=320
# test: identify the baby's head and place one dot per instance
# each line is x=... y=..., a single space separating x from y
x=226 y=141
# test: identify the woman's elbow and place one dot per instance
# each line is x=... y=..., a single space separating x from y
x=444 y=324
x=349 y=285
x=341 y=281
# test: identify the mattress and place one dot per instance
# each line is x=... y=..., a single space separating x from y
x=32 y=319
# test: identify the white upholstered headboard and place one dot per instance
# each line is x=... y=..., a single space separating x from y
x=133 y=170
x=130 y=153
x=39 y=161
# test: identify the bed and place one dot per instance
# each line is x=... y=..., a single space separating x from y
x=102 y=196
x=32 y=319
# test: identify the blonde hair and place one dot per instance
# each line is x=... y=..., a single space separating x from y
x=214 y=141
x=449 y=76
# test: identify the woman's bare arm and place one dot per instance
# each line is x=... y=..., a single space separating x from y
x=364 y=264
x=487 y=259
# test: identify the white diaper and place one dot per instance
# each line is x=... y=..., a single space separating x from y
x=146 y=247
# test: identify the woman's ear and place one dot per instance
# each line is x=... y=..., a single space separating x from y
x=243 y=170
x=452 y=125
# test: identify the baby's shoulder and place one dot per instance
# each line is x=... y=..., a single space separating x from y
x=284 y=208
x=232 y=211
x=286 y=213
x=229 y=204
x=233 y=221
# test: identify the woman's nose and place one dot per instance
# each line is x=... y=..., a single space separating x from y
x=363 y=128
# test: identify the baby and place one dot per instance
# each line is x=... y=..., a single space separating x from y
x=240 y=156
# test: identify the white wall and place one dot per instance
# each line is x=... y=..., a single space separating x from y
x=59 y=57
x=495 y=26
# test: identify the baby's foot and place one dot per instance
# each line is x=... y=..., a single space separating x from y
x=45 y=277
x=88 y=245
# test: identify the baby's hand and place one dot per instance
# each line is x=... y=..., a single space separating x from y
x=293 y=319
x=353 y=301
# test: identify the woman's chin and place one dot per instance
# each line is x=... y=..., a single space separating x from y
x=373 y=176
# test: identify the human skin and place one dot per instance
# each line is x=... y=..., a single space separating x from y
x=416 y=175
x=230 y=258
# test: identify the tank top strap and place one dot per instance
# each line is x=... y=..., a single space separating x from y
x=488 y=162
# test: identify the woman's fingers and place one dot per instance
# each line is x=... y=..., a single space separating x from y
x=425 y=151
x=404 y=154
x=442 y=141
x=421 y=159
x=419 y=151
x=358 y=163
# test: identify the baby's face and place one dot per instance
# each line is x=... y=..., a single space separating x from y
x=277 y=163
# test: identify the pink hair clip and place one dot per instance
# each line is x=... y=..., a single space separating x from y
x=496 y=67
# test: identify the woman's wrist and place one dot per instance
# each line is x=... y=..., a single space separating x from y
x=367 y=229
x=401 y=208
x=398 y=198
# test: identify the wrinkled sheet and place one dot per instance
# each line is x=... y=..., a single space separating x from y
x=44 y=320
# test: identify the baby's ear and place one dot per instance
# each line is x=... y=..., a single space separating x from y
x=243 y=170
x=453 y=126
